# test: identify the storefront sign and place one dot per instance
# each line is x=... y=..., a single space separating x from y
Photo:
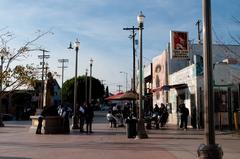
x=179 y=45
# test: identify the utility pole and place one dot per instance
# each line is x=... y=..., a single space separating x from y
x=198 y=23
x=119 y=87
x=63 y=61
x=134 y=53
x=43 y=56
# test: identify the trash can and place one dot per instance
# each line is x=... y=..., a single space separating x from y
x=131 y=127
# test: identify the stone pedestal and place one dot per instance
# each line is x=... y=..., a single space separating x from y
x=50 y=124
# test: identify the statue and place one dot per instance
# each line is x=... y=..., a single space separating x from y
x=49 y=90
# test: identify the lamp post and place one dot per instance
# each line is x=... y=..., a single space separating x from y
x=63 y=61
x=90 y=82
x=74 y=119
x=86 y=86
x=141 y=132
x=209 y=150
x=126 y=74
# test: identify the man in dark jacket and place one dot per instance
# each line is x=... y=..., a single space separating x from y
x=89 y=114
x=184 y=116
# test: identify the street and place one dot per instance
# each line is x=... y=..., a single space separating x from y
x=16 y=142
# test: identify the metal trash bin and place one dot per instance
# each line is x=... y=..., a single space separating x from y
x=210 y=152
x=131 y=127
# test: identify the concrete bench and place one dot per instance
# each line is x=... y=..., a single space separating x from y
x=50 y=124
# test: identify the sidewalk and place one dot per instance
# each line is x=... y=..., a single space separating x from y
x=108 y=143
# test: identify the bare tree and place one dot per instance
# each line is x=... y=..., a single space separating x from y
x=14 y=76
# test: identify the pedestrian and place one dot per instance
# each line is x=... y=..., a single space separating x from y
x=156 y=112
x=184 y=112
x=89 y=114
x=65 y=115
x=82 y=116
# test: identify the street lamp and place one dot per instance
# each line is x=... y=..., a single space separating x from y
x=90 y=82
x=63 y=61
x=86 y=86
x=126 y=74
x=74 y=119
x=209 y=150
x=141 y=132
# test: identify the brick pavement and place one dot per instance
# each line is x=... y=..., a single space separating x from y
x=16 y=142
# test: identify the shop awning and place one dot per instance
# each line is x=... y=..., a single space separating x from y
x=168 y=87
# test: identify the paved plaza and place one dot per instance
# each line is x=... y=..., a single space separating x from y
x=17 y=142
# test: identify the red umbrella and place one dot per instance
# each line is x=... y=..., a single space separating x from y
x=115 y=96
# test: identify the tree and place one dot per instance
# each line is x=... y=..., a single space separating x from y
x=68 y=90
x=22 y=102
x=14 y=76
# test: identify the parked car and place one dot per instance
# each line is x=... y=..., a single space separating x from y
x=7 y=117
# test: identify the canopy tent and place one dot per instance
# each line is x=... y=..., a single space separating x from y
x=115 y=96
x=129 y=95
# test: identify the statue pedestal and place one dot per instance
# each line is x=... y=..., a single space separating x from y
x=50 y=124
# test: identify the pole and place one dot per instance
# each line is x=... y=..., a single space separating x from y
x=75 y=126
x=43 y=56
x=86 y=86
x=209 y=150
x=141 y=134
x=1 y=93
x=119 y=88
x=63 y=61
x=134 y=53
x=199 y=31
x=90 y=83
x=126 y=80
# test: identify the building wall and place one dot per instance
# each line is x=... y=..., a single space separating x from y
x=159 y=77
x=183 y=95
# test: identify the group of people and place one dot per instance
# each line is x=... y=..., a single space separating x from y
x=116 y=116
x=160 y=115
x=86 y=115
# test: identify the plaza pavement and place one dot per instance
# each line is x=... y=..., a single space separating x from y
x=17 y=142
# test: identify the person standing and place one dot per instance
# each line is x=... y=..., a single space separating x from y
x=89 y=114
x=184 y=116
x=82 y=116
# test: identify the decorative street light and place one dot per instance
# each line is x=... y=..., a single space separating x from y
x=90 y=82
x=141 y=132
x=86 y=86
x=77 y=45
x=63 y=61
x=126 y=74
x=209 y=150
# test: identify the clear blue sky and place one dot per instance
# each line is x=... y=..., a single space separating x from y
x=98 y=24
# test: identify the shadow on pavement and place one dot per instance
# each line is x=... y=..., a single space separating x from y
x=7 y=157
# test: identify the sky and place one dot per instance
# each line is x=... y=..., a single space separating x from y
x=98 y=25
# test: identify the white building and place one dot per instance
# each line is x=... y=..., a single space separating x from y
x=182 y=81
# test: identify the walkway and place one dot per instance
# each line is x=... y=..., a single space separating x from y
x=16 y=142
